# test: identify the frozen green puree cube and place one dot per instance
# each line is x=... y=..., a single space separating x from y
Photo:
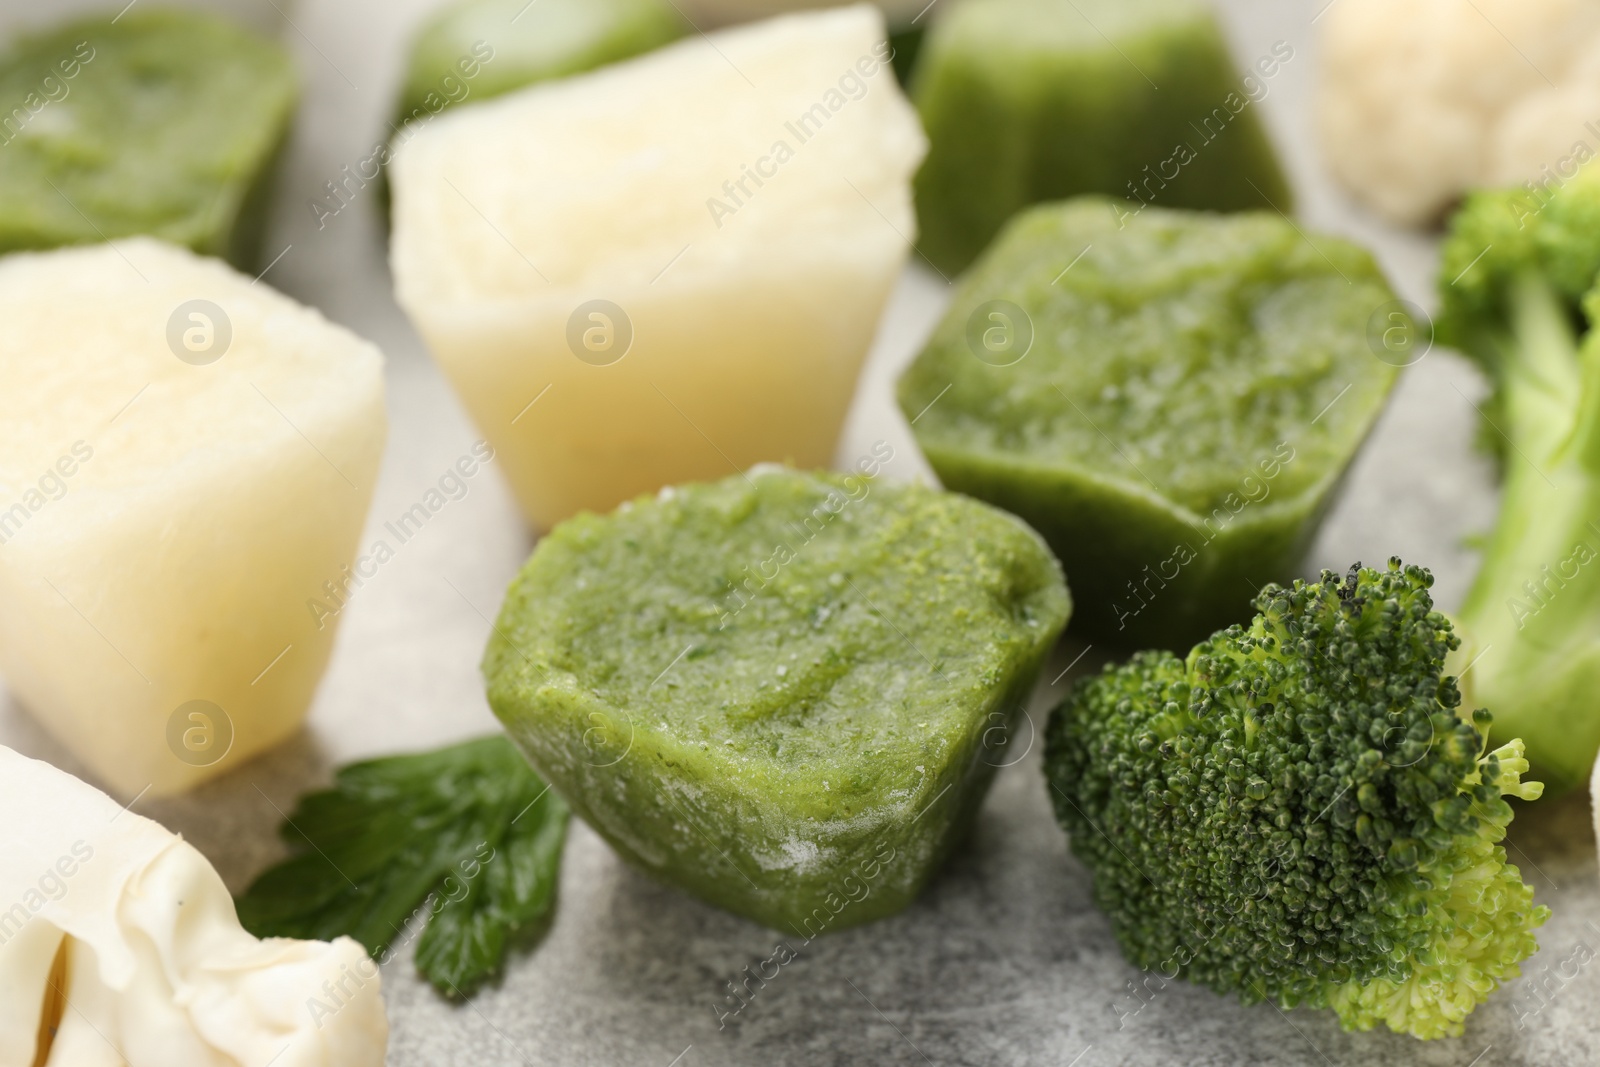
x=1031 y=100
x=1170 y=400
x=784 y=693
x=162 y=122
x=477 y=49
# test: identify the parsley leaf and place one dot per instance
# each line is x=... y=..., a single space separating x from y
x=468 y=835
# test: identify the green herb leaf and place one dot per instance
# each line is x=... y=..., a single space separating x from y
x=467 y=838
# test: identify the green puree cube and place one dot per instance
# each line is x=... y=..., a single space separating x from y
x=1031 y=100
x=1172 y=412
x=477 y=49
x=784 y=693
x=161 y=122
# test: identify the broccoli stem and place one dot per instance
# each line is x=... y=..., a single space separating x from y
x=1542 y=381
x=1532 y=616
x=1585 y=446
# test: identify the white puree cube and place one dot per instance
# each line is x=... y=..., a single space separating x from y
x=164 y=520
x=742 y=202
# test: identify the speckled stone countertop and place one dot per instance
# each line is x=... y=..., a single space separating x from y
x=1004 y=960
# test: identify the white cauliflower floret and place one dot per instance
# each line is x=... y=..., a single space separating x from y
x=120 y=947
x=1594 y=792
x=1423 y=100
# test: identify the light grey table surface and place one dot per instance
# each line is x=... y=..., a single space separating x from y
x=1004 y=960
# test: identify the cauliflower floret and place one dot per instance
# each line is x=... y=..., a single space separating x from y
x=1422 y=100
x=1594 y=792
x=119 y=945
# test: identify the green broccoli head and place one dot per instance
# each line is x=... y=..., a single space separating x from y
x=1297 y=812
x=1502 y=237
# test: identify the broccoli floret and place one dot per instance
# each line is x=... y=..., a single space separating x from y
x=1519 y=286
x=1297 y=812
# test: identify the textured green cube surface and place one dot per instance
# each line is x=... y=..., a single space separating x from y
x=163 y=122
x=785 y=693
x=477 y=49
x=1031 y=100
x=1173 y=412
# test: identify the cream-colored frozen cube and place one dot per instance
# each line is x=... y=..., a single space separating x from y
x=670 y=268
x=188 y=457
x=724 y=12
